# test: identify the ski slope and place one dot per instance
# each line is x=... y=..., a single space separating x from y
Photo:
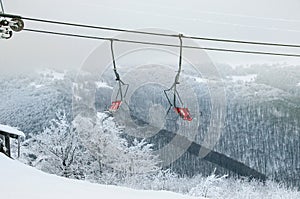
x=21 y=181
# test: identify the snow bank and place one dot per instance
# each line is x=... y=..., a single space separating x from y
x=243 y=78
x=35 y=85
x=103 y=85
x=201 y=80
x=21 y=181
x=51 y=74
x=11 y=130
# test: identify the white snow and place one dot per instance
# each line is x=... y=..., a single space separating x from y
x=51 y=74
x=243 y=78
x=102 y=85
x=58 y=76
x=11 y=130
x=35 y=85
x=21 y=181
x=298 y=84
x=201 y=80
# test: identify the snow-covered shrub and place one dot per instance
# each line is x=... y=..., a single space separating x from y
x=216 y=187
x=104 y=141
x=55 y=150
x=103 y=156
x=213 y=186
x=210 y=184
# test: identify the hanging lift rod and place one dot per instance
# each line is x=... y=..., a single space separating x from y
x=183 y=112
x=117 y=102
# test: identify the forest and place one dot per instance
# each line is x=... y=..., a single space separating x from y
x=261 y=127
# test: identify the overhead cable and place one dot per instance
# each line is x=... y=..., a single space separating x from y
x=159 y=44
x=158 y=34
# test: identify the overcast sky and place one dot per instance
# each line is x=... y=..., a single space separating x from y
x=257 y=20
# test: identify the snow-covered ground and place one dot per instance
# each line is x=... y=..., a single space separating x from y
x=51 y=74
x=35 y=85
x=21 y=181
x=243 y=78
x=103 y=85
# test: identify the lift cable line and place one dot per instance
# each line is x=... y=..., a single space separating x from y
x=160 y=44
x=162 y=34
x=155 y=33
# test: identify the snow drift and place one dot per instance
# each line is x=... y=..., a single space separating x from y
x=21 y=181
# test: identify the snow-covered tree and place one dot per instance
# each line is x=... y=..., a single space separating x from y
x=95 y=151
x=140 y=158
x=104 y=140
x=54 y=150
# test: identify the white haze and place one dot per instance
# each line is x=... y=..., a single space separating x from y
x=268 y=20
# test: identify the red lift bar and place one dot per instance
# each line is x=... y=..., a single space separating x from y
x=184 y=113
x=115 y=105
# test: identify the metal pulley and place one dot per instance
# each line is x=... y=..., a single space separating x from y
x=9 y=23
x=5 y=33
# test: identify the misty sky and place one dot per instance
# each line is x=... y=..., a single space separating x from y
x=256 y=20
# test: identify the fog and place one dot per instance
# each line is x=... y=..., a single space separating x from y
x=267 y=21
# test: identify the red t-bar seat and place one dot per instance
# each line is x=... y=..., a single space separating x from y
x=115 y=106
x=184 y=113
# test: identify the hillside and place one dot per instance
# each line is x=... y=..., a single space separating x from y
x=21 y=181
x=262 y=114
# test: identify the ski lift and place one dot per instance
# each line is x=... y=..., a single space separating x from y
x=115 y=105
x=16 y=24
x=182 y=111
x=9 y=23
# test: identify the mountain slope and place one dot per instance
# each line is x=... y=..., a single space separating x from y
x=21 y=181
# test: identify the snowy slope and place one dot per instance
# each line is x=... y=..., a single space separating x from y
x=21 y=181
